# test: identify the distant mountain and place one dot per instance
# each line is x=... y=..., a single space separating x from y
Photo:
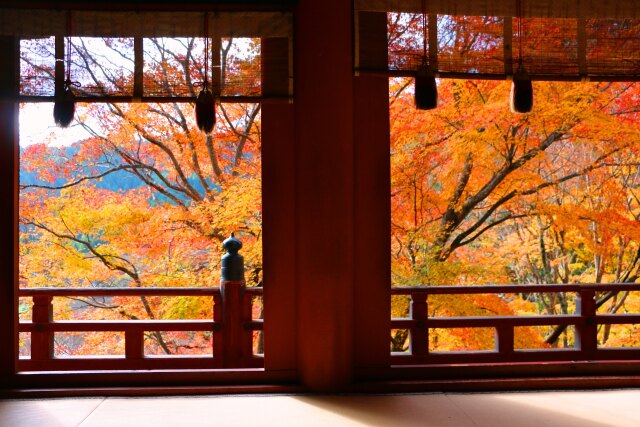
x=117 y=181
x=120 y=181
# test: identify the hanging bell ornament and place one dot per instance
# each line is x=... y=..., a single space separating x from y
x=64 y=107
x=521 y=92
x=426 y=90
x=205 y=111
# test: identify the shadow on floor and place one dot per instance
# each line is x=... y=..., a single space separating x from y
x=449 y=410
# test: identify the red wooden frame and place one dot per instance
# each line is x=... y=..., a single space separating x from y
x=326 y=211
x=223 y=369
x=232 y=331
x=585 y=320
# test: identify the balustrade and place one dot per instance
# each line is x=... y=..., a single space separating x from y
x=232 y=326
x=585 y=320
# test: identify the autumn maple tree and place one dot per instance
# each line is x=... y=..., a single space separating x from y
x=474 y=184
x=481 y=195
x=146 y=199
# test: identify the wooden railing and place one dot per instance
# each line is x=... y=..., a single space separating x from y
x=585 y=320
x=232 y=331
x=231 y=327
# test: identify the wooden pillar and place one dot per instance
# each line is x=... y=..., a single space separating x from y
x=372 y=196
x=9 y=213
x=278 y=208
x=324 y=191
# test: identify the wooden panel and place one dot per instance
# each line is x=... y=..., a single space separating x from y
x=240 y=99
x=276 y=76
x=537 y=8
x=371 y=42
x=240 y=379
x=278 y=213
x=505 y=370
x=8 y=214
x=372 y=201
x=324 y=192
x=46 y=19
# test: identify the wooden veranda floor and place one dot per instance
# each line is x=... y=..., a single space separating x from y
x=537 y=409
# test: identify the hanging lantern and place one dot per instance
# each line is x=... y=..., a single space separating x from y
x=521 y=92
x=521 y=86
x=64 y=107
x=426 y=90
x=205 y=102
x=205 y=110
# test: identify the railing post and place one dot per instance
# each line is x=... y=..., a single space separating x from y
x=419 y=332
x=587 y=329
x=504 y=340
x=232 y=286
x=247 y=313
x=42 y=337
x=134 y=344
x=217 y=339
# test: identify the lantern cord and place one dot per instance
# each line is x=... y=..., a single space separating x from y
x=424 y=32
x=206 y=50
x=68 y=81
x=520 y=14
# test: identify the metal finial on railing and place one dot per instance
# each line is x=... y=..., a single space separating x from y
x=232 y=261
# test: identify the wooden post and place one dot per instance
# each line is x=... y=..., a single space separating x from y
x=138 y=68
x=324 y=215
x=9 y=213
x=134 y=345
x=232 y=286
x=247 y=333
x=372 y=225
x=504 y=341
x=42 y=338
x=217 y=339
x=419 y=332
x=587 y=329
x=278 y=208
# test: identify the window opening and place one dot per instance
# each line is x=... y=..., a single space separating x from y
x=132 y=194
x=481 y=196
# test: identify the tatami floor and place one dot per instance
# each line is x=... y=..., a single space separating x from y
x=537 y=409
